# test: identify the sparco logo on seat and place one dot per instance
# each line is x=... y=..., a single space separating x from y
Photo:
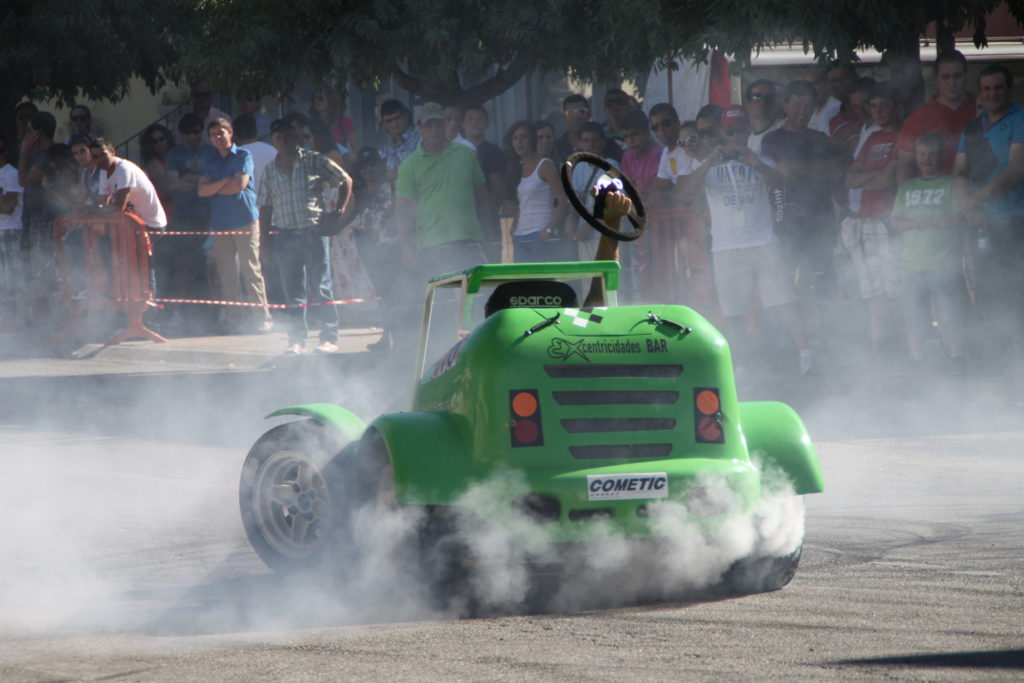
x=536 y=300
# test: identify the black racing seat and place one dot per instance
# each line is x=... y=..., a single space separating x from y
x=531 y=294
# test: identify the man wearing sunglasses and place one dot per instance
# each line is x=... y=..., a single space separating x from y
x=746 y=253
x=576 y=110
x=201 y=96
x=80 y=122
x=764 y=115
x=680 y=141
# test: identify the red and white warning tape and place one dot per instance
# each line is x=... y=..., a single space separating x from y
x=175 y=233
x=216 y=302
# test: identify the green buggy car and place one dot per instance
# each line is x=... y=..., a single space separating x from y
x=580 y=424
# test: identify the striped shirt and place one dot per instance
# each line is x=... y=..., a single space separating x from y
x=297 y=200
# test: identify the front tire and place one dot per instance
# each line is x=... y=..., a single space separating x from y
x=295 y=504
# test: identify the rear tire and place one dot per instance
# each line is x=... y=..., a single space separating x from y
x=435 y=544
x=296 y=504
x=762 y=574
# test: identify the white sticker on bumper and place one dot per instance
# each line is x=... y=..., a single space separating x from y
x=627 y=486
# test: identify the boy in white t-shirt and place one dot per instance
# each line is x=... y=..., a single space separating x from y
x=126 y=186
x=676 y=161
x=11 y=200
x=593 y=140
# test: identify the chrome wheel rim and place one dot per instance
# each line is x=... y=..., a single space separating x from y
x=292 y=504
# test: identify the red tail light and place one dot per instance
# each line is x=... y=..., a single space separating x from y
x=707 y=416
x=525 y=425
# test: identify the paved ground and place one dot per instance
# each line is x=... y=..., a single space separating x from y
x=124 y=555
x=24 y=355
x=124 y=559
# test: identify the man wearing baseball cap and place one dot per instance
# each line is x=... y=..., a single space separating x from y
x=437 y=191
x=746 y=253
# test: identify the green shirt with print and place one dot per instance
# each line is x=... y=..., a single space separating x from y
x=442 y=187
x=936 y=246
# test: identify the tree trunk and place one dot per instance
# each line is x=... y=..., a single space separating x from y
x=903 y=57
x=8 y=131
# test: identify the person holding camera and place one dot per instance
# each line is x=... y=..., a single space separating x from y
x=747 y=259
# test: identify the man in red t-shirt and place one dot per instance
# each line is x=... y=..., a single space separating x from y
x=865 y=235
x=845 y=127
x=946 y=114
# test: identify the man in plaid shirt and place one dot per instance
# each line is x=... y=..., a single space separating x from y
x=291 y=199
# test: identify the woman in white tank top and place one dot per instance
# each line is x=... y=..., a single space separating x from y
x=542 y=204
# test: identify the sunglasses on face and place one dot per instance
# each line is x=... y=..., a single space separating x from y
x=665 y=124
x=691 y=139
x=761 y=97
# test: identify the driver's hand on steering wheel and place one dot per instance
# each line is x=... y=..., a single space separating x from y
x=616 y=205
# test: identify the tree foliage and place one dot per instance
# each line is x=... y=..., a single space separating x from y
x=472 y=50
x=468 y=50
x=67 y=49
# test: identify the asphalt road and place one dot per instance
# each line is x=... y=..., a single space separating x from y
x=124 y=559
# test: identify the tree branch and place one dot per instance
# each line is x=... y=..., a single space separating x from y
x=499 y=82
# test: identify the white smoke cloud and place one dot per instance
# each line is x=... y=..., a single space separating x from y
x=110 y=534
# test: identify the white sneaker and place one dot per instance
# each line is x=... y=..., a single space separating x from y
x=806 y=361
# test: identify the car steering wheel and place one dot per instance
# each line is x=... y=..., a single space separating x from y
x=611 y=180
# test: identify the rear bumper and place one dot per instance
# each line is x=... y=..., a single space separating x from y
x=638 y=500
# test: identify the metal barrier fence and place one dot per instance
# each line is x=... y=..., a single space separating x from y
x=103 y=265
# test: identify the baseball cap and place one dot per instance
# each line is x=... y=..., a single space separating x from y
x=735 y=117
x=430 y=111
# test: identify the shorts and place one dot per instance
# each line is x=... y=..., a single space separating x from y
x=737 y=271
x=873 y=256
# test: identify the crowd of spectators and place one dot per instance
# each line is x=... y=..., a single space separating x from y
x=783 y=212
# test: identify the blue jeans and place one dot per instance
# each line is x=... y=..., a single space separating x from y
x=531 y=249
x=303 y=264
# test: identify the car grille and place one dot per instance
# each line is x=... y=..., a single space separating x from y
x=598 y=371
x=607 y=398
x=638 y=451
x=617 y=424
x=591 y=433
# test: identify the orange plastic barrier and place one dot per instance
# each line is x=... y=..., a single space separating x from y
x=122 y=285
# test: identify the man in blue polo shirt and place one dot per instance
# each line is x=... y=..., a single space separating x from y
x=989 y=172
x=227 y=180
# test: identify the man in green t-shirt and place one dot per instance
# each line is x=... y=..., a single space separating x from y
x=925 y=214
x=439 y=189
